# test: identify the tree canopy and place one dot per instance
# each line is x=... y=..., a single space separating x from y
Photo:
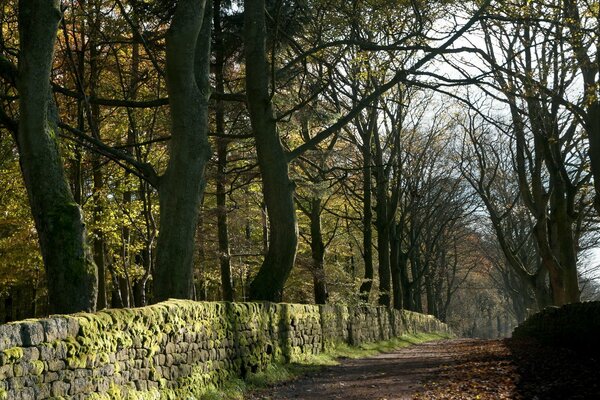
x=437 y=156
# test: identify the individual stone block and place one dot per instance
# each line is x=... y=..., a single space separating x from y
x=179 y=358
x=50 y=377
x=141 y=385
x=122 y=355
x=51 y=330
x=56 y=365
x=30 y=354
x=160 y=359
x=144 y=374
x=152 y=385
x=82 y=385
x=32 y=368
x=61 y=350
x=170 y=348
x=103 y=385
x=26 y=393
x=46 y=352
x=32 y=333
x=71 y=324
x=126 y=376
x=60 y=389
x=10 y=336
x=168 y=360
x=6 y=371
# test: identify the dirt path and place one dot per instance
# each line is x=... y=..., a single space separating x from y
x=450 y=369
x=398 y=375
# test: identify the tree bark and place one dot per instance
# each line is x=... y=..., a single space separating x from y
x=126 y=256
x=71 y=272
x=592 y=123
x=222 y=223
x=182 y=185
x=382 y=224
x=416 y=286
x=317 y=247
x=367 y=220
x=549 y=194
x=278 y=190
x=98 y=241
x=590 y=70
x=98 y=178
x=395 y=268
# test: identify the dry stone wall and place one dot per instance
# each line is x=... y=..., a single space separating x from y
x=574 y=325
x=177 y=349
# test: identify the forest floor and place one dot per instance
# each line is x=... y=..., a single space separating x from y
x=451 y=369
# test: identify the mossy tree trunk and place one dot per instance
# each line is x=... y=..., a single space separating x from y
x=71 y=272
x=182 y=185
x=278 y=189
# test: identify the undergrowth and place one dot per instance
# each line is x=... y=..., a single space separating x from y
x=234 y=389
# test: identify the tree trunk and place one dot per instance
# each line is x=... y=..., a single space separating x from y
x=383 y=254
x=407 y=302
x=222 y=220
x=554 y=234
x=278 y=190
x=395 y=270
x=318 y=253
x=71 y=272
x=94 y=123
x=367 y=220
x=590 y=70
x=430 y=293
x=182 y=185
x=564 y=244
x=98 y=241
x=116 y=300
x=264 y=224
x=222 y=223
x=382 y=225
x=592 y=123
x=201 y=285
x=540 y=289
x=416 y=287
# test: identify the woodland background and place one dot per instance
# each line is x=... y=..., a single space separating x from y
x=438 y=153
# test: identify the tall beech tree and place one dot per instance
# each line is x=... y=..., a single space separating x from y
x=487 y=166
x=313 y=204
x=222 y=144
x=71 y=272
x=583 y=24
x=109 y=84
x=551 y=175
x=273 y=159
x=278 y=189
x=182 y=185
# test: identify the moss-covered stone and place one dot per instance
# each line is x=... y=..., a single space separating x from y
x=178 y=349
x=12 y=354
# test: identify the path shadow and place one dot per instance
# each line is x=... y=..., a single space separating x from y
x=554 y=373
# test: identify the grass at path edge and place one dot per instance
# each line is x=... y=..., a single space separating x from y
x=277 y=373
